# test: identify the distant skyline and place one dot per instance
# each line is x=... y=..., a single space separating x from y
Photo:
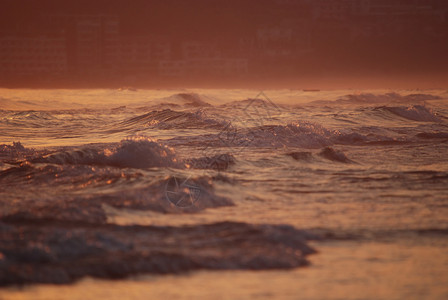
x=202 y=42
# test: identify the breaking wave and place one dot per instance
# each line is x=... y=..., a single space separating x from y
x=131 y=153
x=415 y=113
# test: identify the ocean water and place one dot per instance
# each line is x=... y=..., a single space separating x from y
x=230 y=194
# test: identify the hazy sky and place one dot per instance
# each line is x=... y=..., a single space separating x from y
x=330 y=40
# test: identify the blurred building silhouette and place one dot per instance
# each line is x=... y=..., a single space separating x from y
x=33 y=55
x=92 y=41
x=271 y=37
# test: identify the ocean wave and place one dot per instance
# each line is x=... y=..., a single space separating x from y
x=248 y=102
x=351 y=138
x=256 y=110
x=297 y=134
x=171 y=119
x=186 y=99
x=433 y=135
x=15 y=151
x=301 y=155
x=302 y=134
x=370 y=135
x=217 y=162
x=139 y=152
x=368 y=98
x=28 y=119
x=328 y=153
x=334 y=155
x=415 y=112
x=82 y=191
x=173 y=194
x=85 y=194
x=32 y=115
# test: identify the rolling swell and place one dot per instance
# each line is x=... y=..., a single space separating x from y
x=368 y=98
x=433 y=135
x=334 y=155
x=84 y=191
x=301 y=134
x=170 y=119
x=189 y=99
x=414 y=113
x=134 y=174
x=217 y=162
x=139 y=153
x=32 y=115
x=372 y=99
x=304 y=134
x=93 y=191
x=327 y=153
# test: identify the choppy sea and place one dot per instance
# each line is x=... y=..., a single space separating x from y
x=225 y=194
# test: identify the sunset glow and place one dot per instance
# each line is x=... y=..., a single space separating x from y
x=225 y=149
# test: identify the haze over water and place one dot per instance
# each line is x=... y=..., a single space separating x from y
x=235 y=191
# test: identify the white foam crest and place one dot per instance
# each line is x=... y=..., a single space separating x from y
x=142 y=152
x=139 y=152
